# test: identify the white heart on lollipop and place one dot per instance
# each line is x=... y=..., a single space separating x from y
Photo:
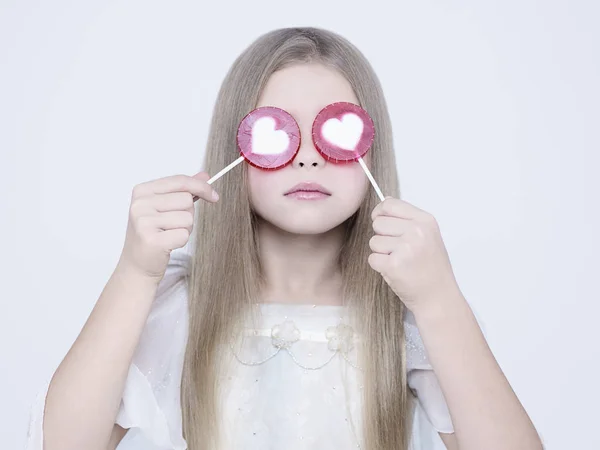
x=266 y=140
x=345 y=133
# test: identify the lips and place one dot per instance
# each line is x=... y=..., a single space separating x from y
x=308 y=187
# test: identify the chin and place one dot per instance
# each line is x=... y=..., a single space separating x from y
x=305 y=224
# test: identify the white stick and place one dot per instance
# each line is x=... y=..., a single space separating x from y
x=371 y=179
x=225 y=170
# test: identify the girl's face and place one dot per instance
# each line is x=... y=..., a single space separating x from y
x=303 y=90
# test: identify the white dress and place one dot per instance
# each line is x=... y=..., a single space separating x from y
x=276 y=397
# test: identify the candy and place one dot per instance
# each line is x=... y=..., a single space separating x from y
x=268 y=138
x=343 y=132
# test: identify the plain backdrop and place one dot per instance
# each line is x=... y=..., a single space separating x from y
x=495 y=113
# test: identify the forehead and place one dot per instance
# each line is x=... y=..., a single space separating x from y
x=304 y=89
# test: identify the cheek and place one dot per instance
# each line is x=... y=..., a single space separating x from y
x=351 y=181
x=261 y=184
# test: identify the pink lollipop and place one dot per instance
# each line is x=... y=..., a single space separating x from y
x=344 y=132
x=268 y=137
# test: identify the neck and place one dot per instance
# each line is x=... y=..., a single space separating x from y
x=300 y=268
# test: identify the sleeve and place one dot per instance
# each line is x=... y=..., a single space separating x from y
x=422 y=379
x=150 y=405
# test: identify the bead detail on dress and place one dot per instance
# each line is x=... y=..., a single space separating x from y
x=340 y=338
x=284 y=335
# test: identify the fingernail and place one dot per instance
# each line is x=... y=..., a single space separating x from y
x=215 y=196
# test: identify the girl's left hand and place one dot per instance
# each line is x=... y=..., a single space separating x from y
x=408 y=251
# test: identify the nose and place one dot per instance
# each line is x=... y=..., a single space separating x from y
x=308 y=156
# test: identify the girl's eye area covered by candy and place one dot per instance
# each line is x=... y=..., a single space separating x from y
x=343 y=132
x=269 y=137
x=266 y=140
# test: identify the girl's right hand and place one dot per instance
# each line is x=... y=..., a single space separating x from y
x=161 y=218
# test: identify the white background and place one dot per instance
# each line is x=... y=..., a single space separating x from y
x=495 y=113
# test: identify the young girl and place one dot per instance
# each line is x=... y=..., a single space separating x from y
x=328 y=320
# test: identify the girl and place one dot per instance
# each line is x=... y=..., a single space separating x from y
x=284 y=322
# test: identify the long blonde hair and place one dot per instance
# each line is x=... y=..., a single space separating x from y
x=225 y=278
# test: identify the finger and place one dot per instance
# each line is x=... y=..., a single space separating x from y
x=203 y=176
x=177 y=183
x=174 y=201
x=172 y=220
x=389 y=226
x=378 y=261
x=394 y=207
x=172 y=239
x=383 y=244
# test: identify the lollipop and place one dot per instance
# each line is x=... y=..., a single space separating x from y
x=344 y=132
x=269 y=138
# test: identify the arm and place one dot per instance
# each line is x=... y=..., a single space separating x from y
x=409 y=252
x=485 y=411
x=85 y=392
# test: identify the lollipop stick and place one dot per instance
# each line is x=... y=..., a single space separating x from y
x=371 y=179
x=222 y=172
x=225 y=170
